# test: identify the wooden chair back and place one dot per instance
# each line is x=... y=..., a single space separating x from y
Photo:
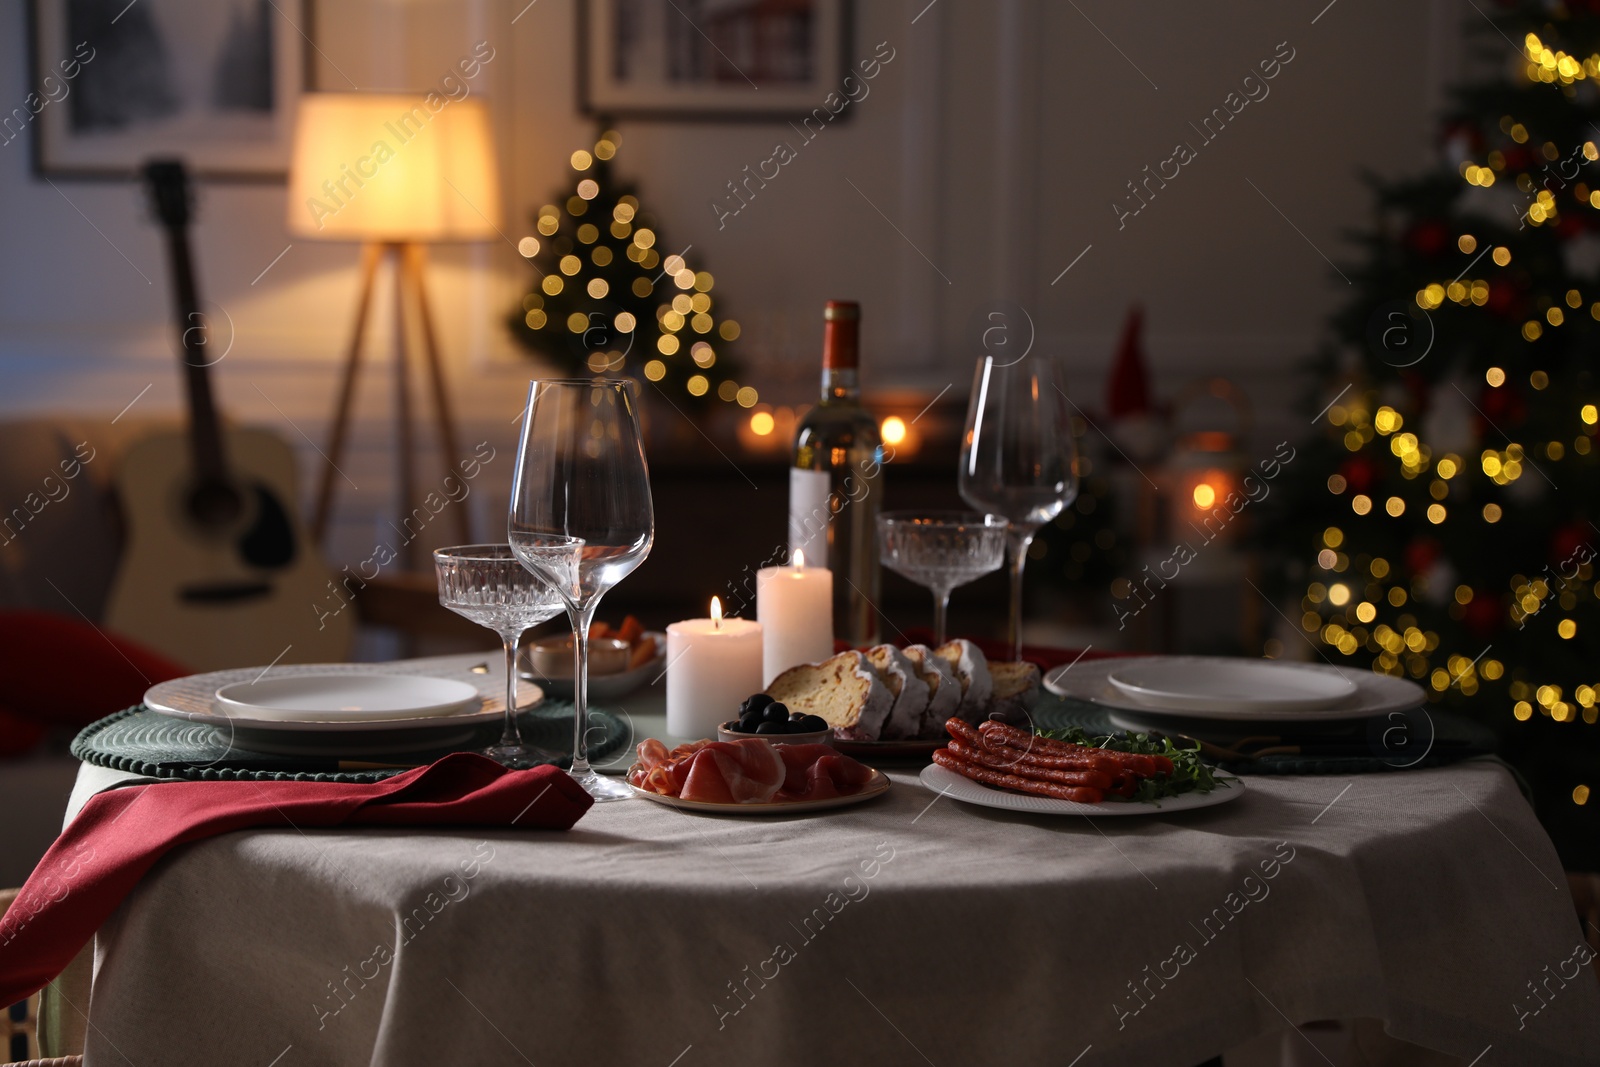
x=19 y=1026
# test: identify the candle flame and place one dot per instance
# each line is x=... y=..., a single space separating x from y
x=716 y=612
x=799 y=560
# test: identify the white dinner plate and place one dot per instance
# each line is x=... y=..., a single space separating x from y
x=1375 y=694
x=604 y=687
x=877 y=787
x=958 y=787
x=193 y=698
x=344 y=697
x=1218 y=683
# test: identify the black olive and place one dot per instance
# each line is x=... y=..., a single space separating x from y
x=770 y=728
x=813 y=723
x=775 y=713
x=757 y=701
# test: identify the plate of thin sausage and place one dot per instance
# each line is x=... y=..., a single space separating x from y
x=1001 y=766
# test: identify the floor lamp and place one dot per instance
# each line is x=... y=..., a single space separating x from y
x=395 y=172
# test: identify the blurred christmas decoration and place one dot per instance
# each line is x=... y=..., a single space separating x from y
x=1132 y=419
x=613 y=299
x=1204 y=476
x=1443 y=520
x=1082 y=547
x=768 y=430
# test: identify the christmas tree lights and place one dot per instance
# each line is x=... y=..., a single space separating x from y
x=611 y=300
x=1448 y=507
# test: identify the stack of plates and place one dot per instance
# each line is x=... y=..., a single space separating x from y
x=331 y=708
x=1153 y=690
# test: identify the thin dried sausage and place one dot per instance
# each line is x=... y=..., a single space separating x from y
x=1028 y=769
x=1147 y=766
x=1000 y=779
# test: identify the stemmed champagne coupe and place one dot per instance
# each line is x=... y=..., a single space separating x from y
x=941 y=550
x=490 y=586
x=1018 y=458
x=581 y=474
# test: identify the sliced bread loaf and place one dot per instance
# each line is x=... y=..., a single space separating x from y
x=844 y=690
x=944 y=691
x=1016 y=687
x=911 y=693
x=971 y=669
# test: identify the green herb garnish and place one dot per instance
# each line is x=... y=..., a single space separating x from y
x=1189 y=773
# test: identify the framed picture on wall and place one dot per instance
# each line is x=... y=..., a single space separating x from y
x=710 y=59
x=114 y=83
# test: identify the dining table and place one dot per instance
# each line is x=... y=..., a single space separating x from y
x=911 y=928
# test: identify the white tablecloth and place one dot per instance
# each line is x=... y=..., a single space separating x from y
x=906 y=930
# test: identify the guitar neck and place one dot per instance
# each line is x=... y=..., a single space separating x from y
x=205 y=431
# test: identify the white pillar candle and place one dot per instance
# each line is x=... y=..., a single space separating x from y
x=712 y=665
x=795 y=607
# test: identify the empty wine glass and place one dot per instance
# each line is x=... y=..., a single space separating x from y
x=941 y=550
x=581 y=474
x=1018 y=458
x=490 y=586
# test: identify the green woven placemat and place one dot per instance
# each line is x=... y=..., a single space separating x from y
x=1386 y=743
x=144 y=742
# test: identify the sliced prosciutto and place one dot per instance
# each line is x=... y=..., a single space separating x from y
x=817 y=772
x=713 y=772
x=751 y=771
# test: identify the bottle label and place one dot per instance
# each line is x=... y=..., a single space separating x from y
x=809 y=515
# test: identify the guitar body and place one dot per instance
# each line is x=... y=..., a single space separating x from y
x=222 y=594
x=217 y=573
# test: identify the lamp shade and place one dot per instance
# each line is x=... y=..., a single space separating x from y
x=393 y=167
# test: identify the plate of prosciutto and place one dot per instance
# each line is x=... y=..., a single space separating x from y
x=997 y=765
x=752 y=777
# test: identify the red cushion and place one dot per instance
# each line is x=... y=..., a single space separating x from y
x=58 y=671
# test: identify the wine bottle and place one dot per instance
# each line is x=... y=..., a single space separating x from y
x=834 y=482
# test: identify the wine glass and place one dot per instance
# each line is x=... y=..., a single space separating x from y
x=1018 y=458
x=941 y=550
x=489 y=585
x=581 y=474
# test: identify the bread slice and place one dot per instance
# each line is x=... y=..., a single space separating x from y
x=844 y=690
x=1016 y=687
x=911 y=693
x=971 y=669
x=944 y=692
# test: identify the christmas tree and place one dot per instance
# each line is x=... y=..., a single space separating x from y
x=1442 y=524
x=612 y=298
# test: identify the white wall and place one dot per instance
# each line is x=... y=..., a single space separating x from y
x=994 y=143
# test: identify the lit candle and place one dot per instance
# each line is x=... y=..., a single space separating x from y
x=712 y=665
x=795 y=607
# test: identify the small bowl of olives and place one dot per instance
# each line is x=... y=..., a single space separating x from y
x=761 y=716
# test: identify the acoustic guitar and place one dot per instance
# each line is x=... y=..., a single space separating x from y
x=217 y=571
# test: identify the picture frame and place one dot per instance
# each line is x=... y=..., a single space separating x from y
x=114 y=84
x=710 y=60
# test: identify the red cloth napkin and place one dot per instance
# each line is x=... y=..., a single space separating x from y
x=121 y=833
